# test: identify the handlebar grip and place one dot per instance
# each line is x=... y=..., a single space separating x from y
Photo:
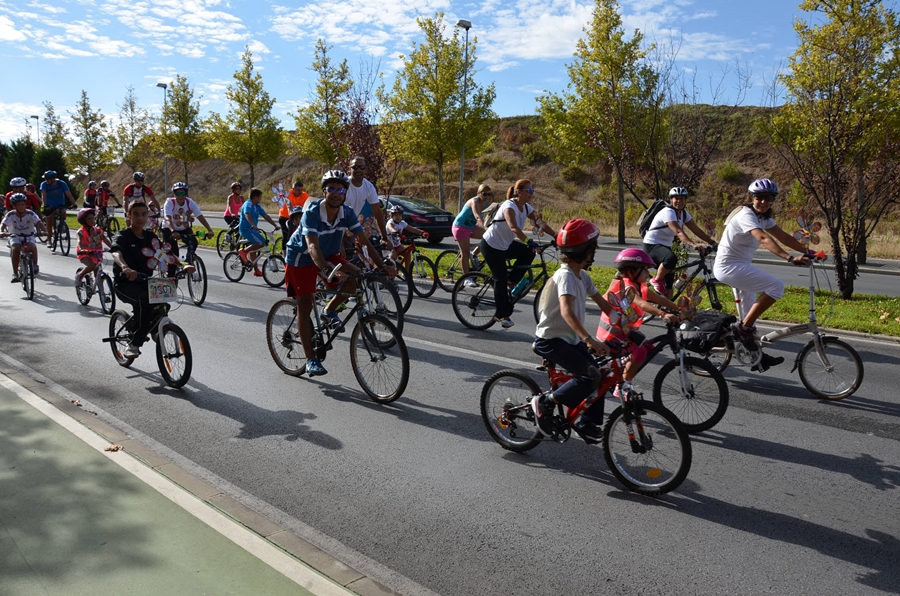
x=334 y=270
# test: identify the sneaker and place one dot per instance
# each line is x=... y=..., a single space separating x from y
x=243 y=254
x=767 y=362
x=542 y=406
x=15 y=279
x=132 y=351
x=744 y=335
x=591 y=432
x=331 y=319
x=314 y=368
x=658 y=285
x=257 y=273
x=470 y=283
x=505 y=322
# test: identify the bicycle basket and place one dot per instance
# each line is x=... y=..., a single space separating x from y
x=704 y=332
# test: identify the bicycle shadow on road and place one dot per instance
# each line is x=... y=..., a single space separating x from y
x=248 y=315
x=257 y=422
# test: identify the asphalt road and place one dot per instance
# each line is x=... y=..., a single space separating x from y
x=787 y=495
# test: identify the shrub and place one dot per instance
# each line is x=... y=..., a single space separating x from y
x=729 y=172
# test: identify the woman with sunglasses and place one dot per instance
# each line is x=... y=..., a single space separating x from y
x=499 y=245
x=747 y=228
x=468 y=226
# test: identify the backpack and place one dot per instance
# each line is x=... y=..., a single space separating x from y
x=646 y=218
x=704 y=332
x=488 y=215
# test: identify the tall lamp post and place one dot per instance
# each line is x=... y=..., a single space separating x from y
x=37 y=125
x=462 y=156
x=165 y=87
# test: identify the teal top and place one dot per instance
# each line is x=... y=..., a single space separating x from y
x=466 y=218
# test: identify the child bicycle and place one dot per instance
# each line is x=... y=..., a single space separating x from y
x=98 y=283
x=645 y=446
x=271 y=263
x=197 y=281
x=829 y=367
x=473 y=295
x=26 y=267
x=419 y=269
x=378 y=354
x=173 y=350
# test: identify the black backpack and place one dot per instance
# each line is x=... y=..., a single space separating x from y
x=646 y=218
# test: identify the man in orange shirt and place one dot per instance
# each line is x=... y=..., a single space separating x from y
x=296 y=198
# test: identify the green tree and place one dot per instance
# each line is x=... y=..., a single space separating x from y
x=19 y=161
x=129 y=140
x=837 y=131
x=424 y=118
x=54 y=133
x=611 y=110
x=319 y=124
x=249 y=133
x=181 y=134
x=88 y=151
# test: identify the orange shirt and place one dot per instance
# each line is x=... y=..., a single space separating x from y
x=293 y=201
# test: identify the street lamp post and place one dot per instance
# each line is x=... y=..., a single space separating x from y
x=165 y=87
x=462 y=156
x=37 y=125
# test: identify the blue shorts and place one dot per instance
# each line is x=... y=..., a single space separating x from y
x=252 y=236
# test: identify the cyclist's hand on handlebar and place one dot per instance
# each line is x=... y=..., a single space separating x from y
x=597 y=346
x=803 y=261
x=671 y=318
x=390 y=270
x=532 y=244
x=130 y=273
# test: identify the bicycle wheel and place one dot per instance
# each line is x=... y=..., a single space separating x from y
x=278 y=245
x=506 y=410
x=657 y=459
x=837 y=378
x=82 y=290
x=234 y=268
x=113 y=226
x=536 y=306
x=273 y=270
x=423 y=276
x=448 y=269
x=65 y=242
x=197 y=282
x=701 y=405
x=474 y=306
x=379 y=358
x=283 y=339
x=106 y=293
x=28 y=278
x=385 y=301
x=404 y=286
x=121 y=335
x=223 y=244
x=173 y=355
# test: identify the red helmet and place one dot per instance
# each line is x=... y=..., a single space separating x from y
x=633 y=257
x=84 y=213
x=576 y=236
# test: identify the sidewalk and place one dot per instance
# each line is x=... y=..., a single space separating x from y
x=75 y=519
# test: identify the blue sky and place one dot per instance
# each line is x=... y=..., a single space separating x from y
x=52 y=49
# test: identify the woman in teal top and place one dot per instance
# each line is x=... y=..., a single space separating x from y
x=468 y=224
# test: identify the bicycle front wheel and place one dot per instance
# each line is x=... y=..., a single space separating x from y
x=423 y=276
x=28 y=278
x=106 y=293
x=473 y=302
x=283 y=338
x=273 y=270
x=835 y=374
x=234 y=268
x=379 y=358
x=173 y=356
x=113 y=226
x=197 y=284
x=448 y=269
x=699 y=405
x=65 y=242
x=82 y=289
x=658 y=457
x=506 y=410
x=120 y=336
x=384 y=301
x=537 y=304
x=404 y=286
x=223 y=243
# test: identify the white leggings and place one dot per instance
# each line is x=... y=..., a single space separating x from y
x=748 y=281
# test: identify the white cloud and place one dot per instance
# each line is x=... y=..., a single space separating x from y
x=13 y=117
x=8 y=31
x=47 y=8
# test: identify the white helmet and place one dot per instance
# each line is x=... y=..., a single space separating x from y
x=678 y=191
x=763 y=186
x=18 y=181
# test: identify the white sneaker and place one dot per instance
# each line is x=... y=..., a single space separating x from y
x=132 y=351
x=37 y=269
x=470 y=283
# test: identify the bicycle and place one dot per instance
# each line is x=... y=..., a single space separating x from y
x=829 y=367
x=390 y=296
x=197 y=281
x=59 y=237
x=106 y=219
x=272 y=264
x=421 y=271
x=378 y=354
x=710 y=287
x=173 y=350
x=450 y=261
x=645 y=446
x=474 y=305
x=26 y=266
x=228 y=240
x=97 y=283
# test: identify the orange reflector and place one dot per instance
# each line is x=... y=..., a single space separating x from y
x=654 y=473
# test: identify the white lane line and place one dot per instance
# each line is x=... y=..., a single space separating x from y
x=472 y=353
x=242 y=537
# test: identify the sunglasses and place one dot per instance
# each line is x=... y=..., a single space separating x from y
x=529 y=191
x=331 y=190
x=487 y=193
x=180 y=193
x=766 y=197
x=357 y=167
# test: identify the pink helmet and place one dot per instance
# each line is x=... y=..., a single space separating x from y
x=633 y=257
x=84 y=213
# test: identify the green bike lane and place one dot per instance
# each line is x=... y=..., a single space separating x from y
x=78 y=519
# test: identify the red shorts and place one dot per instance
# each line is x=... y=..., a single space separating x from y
x=301 y=281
